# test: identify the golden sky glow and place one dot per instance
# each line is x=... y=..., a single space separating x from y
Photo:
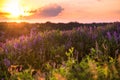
x=15 y=9
x=60 y=10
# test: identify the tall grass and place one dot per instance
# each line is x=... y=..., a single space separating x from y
x=94 y=54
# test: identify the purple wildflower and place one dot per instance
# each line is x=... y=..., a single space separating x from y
x=34 y=41
x=90 y=30
x=119 y=37
x=24 y=47
x=115 y=36
x=22 y=38
x=6 y=62
x=2 y=79
x=94 y=36
x=29 y=44
x=109 y=35
x=16 y=45
x=5 y=48
x=33 y=31
x=38 y=37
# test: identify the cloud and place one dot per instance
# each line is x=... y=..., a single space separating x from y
x=117 y=11
x=98 y=0
x=46 y=11
x=51 y=11
x=4 y=14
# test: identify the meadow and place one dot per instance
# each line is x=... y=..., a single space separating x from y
x=79 y=53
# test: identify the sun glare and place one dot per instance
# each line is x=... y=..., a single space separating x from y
x=15 y=9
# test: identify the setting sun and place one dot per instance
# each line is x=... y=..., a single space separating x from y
x=15 y=9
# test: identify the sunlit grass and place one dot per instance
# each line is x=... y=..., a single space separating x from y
x=79 y=54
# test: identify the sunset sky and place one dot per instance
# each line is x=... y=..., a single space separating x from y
x=60 y=10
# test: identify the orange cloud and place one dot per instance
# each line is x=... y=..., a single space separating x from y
x=3 y=14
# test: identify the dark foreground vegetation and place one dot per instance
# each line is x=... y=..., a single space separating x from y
x=60 y=51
